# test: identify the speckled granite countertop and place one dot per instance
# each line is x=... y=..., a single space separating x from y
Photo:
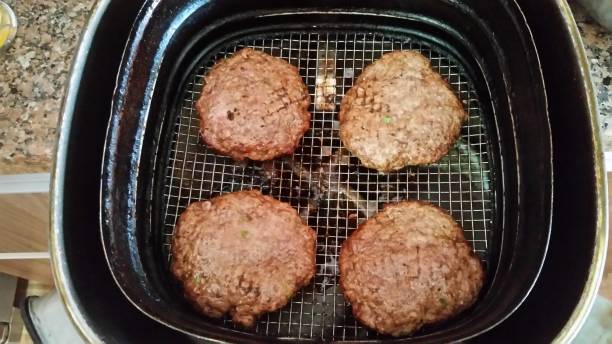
x=598 y=45
x=35 y=69
x=33 y=74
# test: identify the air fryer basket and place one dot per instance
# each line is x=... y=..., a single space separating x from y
x=325 y=183
x=155 y=163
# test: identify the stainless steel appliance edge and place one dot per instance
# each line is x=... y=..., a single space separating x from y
x=587 y=298
x=58 y=264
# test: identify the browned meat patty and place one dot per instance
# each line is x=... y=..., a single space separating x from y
x=400 y=112
x=408 y=266
x=253 y=106
x=242 y=253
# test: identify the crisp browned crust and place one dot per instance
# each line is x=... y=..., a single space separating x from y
x=242 y=253
x=400 y=112
x=253 y=106
x=408 y=266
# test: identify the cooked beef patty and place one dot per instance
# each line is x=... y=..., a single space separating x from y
x=242 y=253
x=408 y=266
x=253 y=106
x=400 y=112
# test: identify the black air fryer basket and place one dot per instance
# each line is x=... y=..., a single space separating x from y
x=496 y=181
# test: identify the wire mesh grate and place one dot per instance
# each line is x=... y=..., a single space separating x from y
x=323 y=181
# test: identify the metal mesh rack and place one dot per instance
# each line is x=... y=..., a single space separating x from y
x=327 y=186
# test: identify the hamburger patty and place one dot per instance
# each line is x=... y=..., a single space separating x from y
x=400 y=112
x=408 y=266
x=242 y=253
x=253 y=106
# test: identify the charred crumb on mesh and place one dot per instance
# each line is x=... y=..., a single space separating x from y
x=409 y=266
x=253 y=106
x=400 y=112
x=218 y=243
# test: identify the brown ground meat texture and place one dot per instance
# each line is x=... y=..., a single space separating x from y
x=400 y=112
x=253 y=106
x=242 y=253
x=408 y=266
